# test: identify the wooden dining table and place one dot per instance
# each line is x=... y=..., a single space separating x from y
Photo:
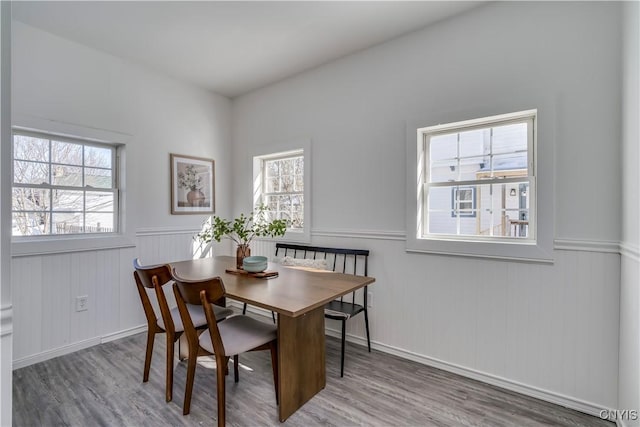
x=298 y=296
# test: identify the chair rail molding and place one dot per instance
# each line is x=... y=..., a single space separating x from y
x=360 y=234
x=6 y=320
x=630 y=251
x=565 y=244
x=602 y=246
x=160 y=231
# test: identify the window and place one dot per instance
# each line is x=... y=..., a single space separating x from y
x=463 y=202
x=281 y=183
x=478 y=179
x=63 y=186
x=283 y=188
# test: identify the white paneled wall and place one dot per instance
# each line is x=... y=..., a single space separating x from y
x=629 y=374
x=547 y=330
x=45 y=288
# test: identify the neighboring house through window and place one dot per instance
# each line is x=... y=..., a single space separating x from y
x=63 y=185
x=463 y=202
x=479 y=179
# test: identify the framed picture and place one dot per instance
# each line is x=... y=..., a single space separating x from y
x=192 y=185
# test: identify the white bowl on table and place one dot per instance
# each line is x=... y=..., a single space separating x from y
x=254 y=264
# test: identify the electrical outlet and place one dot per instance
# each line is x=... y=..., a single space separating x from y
x=369 y=300
x=82 y=302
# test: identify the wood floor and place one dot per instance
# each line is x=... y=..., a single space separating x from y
x=102 y=386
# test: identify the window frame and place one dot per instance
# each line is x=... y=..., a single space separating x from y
x=279 y=151
x=426 y=133
x=68 y=243
x=540 y=250
x=113 y=189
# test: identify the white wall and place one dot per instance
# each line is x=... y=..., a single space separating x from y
x=629 y=388
x=66 y=84
x=548 y=330
x=6 y=317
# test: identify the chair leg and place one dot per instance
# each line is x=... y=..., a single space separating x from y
x=169 y=380
x=191 y=373
x=236 y=371
x=366 y=325
x=244 y=311
x=221 y=388
x=147 y=358
x=273 y=346
x=344 y=335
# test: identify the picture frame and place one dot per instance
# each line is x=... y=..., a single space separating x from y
x=192 y=185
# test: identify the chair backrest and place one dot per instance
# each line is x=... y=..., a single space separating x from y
x=199 y=292
x=153 y=277
x=338 y=259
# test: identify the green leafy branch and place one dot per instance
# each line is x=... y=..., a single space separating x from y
x=243 y=229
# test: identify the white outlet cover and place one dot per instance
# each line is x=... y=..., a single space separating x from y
x=82 y=302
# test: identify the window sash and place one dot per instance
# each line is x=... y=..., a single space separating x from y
x=264 y=194
x=494 y=178
x=50 y=211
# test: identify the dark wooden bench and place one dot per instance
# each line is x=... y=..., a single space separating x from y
x=347 y=261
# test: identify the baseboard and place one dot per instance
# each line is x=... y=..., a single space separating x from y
x=548 y=396
x=123 y=334
x=71 y=348
x=527 y=390
x=56 y=352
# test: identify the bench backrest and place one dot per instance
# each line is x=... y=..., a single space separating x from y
x=338 y=259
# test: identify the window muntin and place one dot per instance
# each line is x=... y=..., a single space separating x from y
x=282 y=189
x=478 y=179
x=62 y=186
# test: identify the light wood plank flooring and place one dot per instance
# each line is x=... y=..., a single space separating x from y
x=102 y=386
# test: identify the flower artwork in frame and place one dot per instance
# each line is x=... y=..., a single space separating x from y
x=192 y=185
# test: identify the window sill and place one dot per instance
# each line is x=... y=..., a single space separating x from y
x=289 y=237
x=28 y=246
x=516 y=251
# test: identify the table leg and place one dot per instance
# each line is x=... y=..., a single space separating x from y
x=301 y=359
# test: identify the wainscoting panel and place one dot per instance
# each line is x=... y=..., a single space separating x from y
x=551 y=330
x=550 y=327
x=629 y=374
x=46 y=323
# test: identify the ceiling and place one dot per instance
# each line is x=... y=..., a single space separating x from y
x=233 y=47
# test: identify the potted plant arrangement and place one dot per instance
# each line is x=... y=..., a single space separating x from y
x=242 y=230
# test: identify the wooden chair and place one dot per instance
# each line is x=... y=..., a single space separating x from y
x=169 y=322
x=235 y=335
x=343 y=261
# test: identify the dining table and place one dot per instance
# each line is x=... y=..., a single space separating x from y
x=298 y=296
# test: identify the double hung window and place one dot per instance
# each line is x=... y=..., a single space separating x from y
x=63 y=185
x=281 y=182
x=282 y=189
x=478 y=179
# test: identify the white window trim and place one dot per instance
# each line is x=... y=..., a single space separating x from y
x=273 y=151
x=483 y=123
x=52 y=244
x=539 y=250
